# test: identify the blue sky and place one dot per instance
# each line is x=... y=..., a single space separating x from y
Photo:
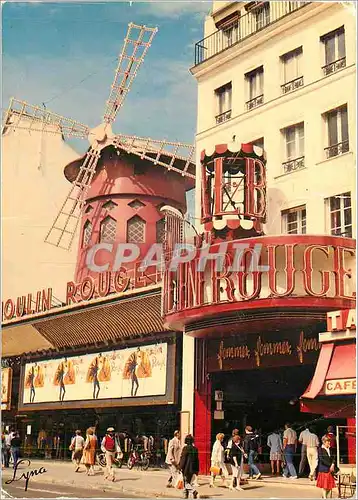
x=49 y=48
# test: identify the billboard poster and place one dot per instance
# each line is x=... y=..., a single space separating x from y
x=121 y=373
x=6 y=379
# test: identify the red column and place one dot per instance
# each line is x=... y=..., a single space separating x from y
x=202 y=409
x=351 y=439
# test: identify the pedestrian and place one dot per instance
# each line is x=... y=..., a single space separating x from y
x=217 y=460
x=303 y=461
x=110 y=446
x=289 y=449
x=251 y=446
x=89 y=451
x=237 y=454
x=326 y=468
x=332 y=437
x=2 y=450
x=312 y=444
x=274 y=442
x=15 y=448
x=7 y=446
x=76 y=446
x=173 y=457
x=189 y=466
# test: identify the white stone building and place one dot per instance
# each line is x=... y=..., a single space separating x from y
x=283 y=75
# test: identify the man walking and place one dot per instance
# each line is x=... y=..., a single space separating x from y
x=7 y=445
x=303 y=462
x=251 y=446
x=312 y=444
x=110 y=446
x=289 y=449
x=173 y=457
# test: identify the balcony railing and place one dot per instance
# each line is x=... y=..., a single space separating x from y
x=226 y=115
x=254 y=21
x=334 y=66
x=292 y=85
x=253 y=103
x=293 y=165
x=337 y=149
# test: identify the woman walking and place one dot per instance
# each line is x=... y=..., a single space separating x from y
x=89 y=452
x=326 y=467
x=76 y=446
x=274 y=442
x=189 y=465
x=217 y=460
x=237 y=454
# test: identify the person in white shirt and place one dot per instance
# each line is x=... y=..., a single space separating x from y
x=289 y=449
x=217 y=460
x=303 y=461
x=311 y=441
x=173 y=458
x=77 y=445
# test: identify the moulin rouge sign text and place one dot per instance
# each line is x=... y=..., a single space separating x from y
x=187 y=287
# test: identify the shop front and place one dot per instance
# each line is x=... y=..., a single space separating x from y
x=332 y=389
x=109 y=365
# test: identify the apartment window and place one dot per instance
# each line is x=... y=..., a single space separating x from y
x=261 y=15
x=337 y=131
x=87 y=233
x=223 y=103
x=255 y=85
x=294 y=144
x=135 y=230
x=340 y=215
x=335 y=51
x=230 y=29
x=160 y=229
x=292 y=71
x=108 y=230
x=294 y=220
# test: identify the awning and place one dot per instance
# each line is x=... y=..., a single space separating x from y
x=137 y=315
x=334 y=377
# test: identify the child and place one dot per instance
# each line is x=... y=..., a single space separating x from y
x=189 y=466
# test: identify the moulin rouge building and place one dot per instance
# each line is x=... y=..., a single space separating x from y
x=252 y=344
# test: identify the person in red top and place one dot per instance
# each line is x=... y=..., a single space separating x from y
x=110 y=446
x=331 y=436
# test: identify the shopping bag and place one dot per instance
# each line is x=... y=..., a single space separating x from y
x=215 y=470
x=179 y=483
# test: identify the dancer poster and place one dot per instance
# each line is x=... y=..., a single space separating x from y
x=132 y=372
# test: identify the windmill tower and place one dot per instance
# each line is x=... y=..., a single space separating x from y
x=120 y=184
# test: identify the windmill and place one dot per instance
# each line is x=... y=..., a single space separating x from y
x=173 y=156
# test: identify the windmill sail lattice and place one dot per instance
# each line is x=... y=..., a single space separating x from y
x=174 y=156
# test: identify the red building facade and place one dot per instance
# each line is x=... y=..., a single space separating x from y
x=257 y=317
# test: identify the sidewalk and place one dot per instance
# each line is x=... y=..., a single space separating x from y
x=152 y=483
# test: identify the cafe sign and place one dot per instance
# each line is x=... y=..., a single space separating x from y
x=340 y=386
x=263 y=350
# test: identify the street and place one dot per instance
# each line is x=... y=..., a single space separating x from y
x=48 y=490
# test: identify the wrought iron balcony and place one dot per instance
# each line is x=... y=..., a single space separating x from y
x=256 y=101
x=293 y=165
x=226 y=115
x=328 y=69
x=263 y=15
x=337 y=149
x=292 y=85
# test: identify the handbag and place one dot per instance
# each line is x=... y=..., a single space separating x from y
x=215 y=470
x=179 y=483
